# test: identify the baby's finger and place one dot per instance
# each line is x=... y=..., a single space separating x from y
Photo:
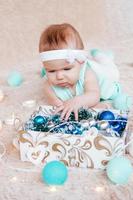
x=68 y=114
x=76 y=114
x=58 y=109
x=63 y=114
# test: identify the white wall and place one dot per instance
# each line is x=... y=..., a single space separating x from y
x=101 y=23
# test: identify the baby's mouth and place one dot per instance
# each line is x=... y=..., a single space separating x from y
x=63 y=84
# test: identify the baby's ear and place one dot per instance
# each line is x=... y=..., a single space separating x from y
x=102 y=56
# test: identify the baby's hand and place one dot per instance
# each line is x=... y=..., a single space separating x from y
x=69 y=106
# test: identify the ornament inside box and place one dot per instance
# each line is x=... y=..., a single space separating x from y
x=90 y=142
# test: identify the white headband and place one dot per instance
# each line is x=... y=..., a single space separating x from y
x=68 y=54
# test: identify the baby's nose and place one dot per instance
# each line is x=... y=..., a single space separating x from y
x=59 y=75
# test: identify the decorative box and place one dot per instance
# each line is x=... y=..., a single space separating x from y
x=91 y=148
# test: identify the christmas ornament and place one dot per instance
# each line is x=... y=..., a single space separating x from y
x=106 y=122
x=15 y=79
x=102 y=125
x=68 y=128
x=39 y=120
x=106 y=115
x=118 y=125
x=119 y=170
x=92 y=122
x=85 y=124
x=54 y=173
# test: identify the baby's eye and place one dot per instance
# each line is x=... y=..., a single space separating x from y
x=66 y=69
x=52 y=71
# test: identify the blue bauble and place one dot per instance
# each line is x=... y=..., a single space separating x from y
x=15 y=79
x=119 y=125
x=75 y=129
x=39 y=120
x=54 y=173
x=119 y=170
x=106 y=115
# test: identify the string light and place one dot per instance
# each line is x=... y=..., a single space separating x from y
x=99 y=189
x=53 y=188
x=29 y=103
x=13 y=179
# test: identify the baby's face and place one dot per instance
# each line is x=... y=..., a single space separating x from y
x=61 y=73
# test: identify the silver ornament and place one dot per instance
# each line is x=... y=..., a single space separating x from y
x=92 y=122
x=110 y=132
x=103 y=125
x=50 y=125
x=85 y=123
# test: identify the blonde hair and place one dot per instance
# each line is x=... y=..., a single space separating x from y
x=60 y=36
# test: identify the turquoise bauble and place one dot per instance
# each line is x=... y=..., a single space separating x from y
x=94 y=52
x=39 y=120
x=43 y=72
x=119 y=170
x=106 y=115
x=122 y=102
x=54 y=173
x=15 y=79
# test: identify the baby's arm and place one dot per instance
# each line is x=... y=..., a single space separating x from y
x=90 y=97
x=50 y=96
x=91 y=94
x=93 y=98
